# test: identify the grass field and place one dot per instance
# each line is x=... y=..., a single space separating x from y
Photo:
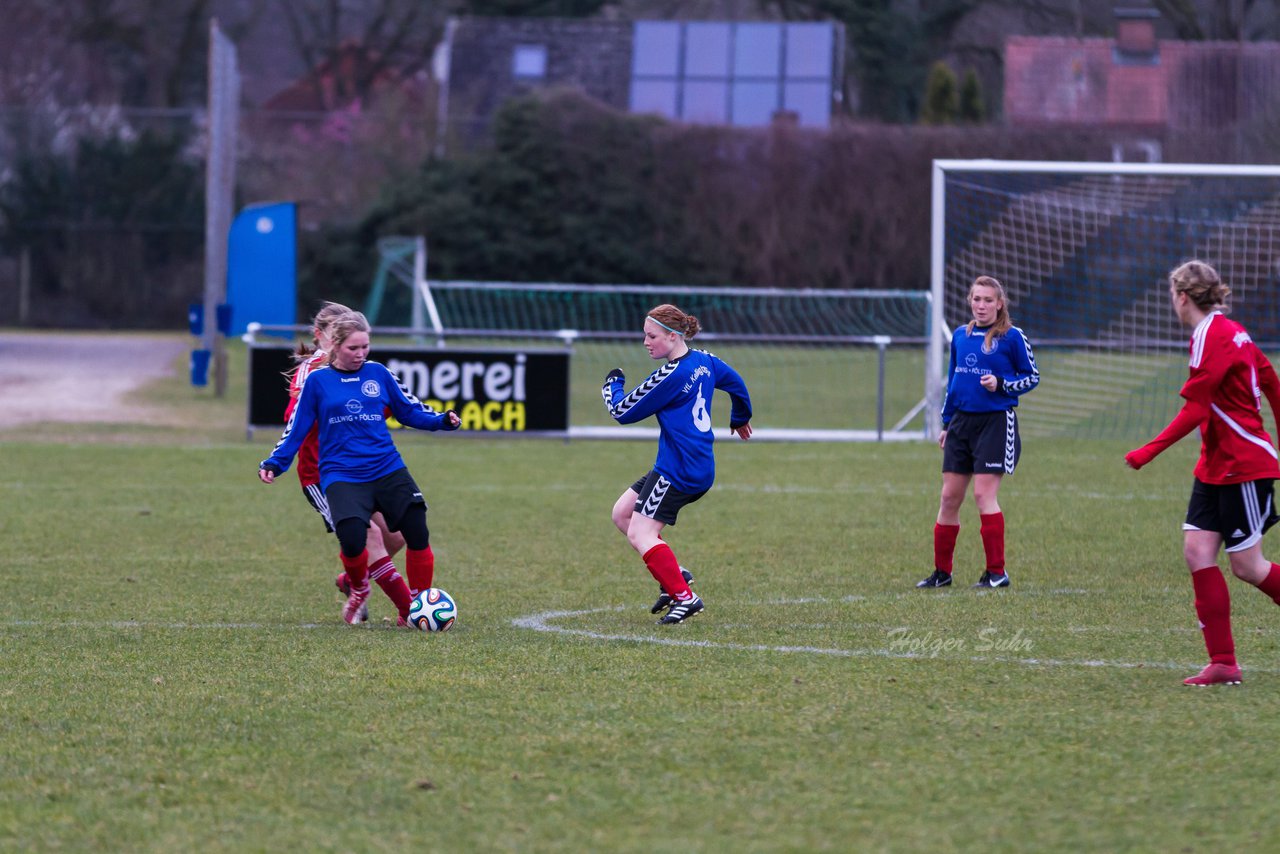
x=176 y=676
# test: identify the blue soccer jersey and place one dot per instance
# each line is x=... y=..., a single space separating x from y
x=348 y=407
x=1010 y=359
x=679 y=394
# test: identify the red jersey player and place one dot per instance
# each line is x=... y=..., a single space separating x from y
x=1232 y=500
x=382 y=543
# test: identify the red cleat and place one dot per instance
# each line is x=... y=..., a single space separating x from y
x=355 y=611
x=1215 y=674
x=344 y=587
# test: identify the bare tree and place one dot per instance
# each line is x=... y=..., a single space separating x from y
x=393 y=40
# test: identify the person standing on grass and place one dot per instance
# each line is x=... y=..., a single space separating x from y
x=1232 y=496
x=991 y=367
x=679 y=394
x=382 y=543
x=361 y=472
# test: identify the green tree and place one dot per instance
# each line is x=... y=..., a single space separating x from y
x=941 y=97
x=114 y=232
x=973 y=108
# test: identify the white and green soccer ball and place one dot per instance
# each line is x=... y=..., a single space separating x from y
x=433 y=610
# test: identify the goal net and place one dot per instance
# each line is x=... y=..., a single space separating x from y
x=1084 y=251
x=822 y=365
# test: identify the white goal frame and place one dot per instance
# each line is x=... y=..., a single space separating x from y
x=936 y=360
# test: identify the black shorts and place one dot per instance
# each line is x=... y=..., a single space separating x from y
x=982 y=443
x=315 y=497
x=1240 y=512
x=391 y=494
x=659 y=500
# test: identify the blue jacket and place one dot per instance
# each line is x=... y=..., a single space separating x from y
x=679 y=394
x=348 y=406
x=1010 y=359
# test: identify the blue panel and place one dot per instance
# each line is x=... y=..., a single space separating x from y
x=656 y=49
x=654 y=96
x=757 y=50
x=809 y=50
x=262 y=266
x=706 y=50
x=707 y=103
x=754 y=103
x=810 y=101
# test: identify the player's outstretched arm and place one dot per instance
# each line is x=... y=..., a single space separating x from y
x=1191 y=416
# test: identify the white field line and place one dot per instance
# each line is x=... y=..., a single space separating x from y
x=542 y=622
x=135 y=624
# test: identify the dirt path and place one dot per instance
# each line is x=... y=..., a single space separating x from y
x=81 y=377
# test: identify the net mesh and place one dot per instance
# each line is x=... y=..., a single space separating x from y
x=812 y=358
x=1085 y=260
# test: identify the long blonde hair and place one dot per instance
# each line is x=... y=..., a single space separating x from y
x=1003 y=323
x=343 y=327
x=328 y=313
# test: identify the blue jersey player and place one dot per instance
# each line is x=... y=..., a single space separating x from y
x=991 y=367
x=361 y=472
x=679 y=394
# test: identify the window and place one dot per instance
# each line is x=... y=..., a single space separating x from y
x=656 y=49
x=734 y=73
x=706 y=50
x=654 y=96
x=529 y=62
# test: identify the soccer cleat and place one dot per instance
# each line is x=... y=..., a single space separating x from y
x=664 y=598
x=938 y=579
x=682 y=611
x=1215 y=674
x=356 y=611
x=992 y=581
x=344 y=587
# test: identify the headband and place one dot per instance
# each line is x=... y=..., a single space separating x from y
x=664 y=326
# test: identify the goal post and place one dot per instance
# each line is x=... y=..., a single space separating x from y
x=822 y=365
x=1084 y=250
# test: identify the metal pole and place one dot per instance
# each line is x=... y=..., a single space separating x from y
x=220 y=166
x=882 y=345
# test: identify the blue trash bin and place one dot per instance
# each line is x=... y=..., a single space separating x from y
x=200 y=367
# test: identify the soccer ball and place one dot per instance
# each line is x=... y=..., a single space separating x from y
x=433 y=610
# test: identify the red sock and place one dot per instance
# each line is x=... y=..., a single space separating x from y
x=357 y=568
x=944 y=546
x=665 y=569
x=392 y=583
x=420 y=566
x=1213 y=607
x=1271 y=584
x=992 y=531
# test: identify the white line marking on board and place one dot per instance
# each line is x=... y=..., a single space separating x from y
x=541 y=622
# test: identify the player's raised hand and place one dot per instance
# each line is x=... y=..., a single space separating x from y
x=615 y=374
